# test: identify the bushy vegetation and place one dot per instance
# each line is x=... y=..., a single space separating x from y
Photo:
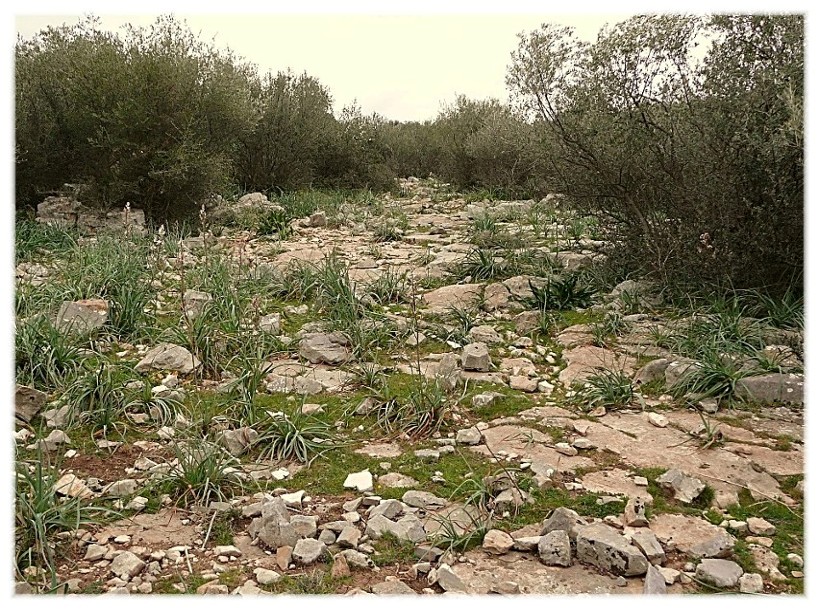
x=690 y=163
x=694 y=167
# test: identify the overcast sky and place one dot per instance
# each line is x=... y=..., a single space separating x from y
x=400 y=66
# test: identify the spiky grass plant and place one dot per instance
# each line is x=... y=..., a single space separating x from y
x=96 y=397
x=389 y=287
x=562 y=293
x=204 y=472
x=479 y=264
x=418 y=415
x=36 y=239
x=161 y=409
x=44 y=356
x=607 y=388
x=294 y=437
x=714 y=375
x=41 y=514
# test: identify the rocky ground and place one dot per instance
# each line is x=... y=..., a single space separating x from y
x=479 y=444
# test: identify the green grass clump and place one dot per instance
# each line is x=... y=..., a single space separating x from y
x=40 y=515
x=297 y=437
x=607 y=388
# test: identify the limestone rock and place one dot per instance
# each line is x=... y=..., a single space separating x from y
x=168 y=357
x=390 y=509
x=647 y=542
x=194 y=302
x=486 y=399
x=523 y=383
x=360 y=481
x=658 y=420
x=349 y=537
x=654 y=583
x=238 y=441
x=686 y=489
x=72 y=486
x=760 y=527
x=396 y=479
x=423 y=499
x=82 y=316
x=652 y=371
x=692 y=535
x=562 y=518
x=323 y=347
x=307 y=551
x=266 y=577
x=751 y=583
x=772 y=388
x=476 y=357
x=554 y=549
x=497 y=542
x=271 y=323
x=126 y=565
x=356 y=559
x=448 y=580
x=635 y=513
x=468 y=436
x=340 y=569
x=392 y=587
x=604 y=547
x=28 y=402
x=484 y=334
x=719 y=572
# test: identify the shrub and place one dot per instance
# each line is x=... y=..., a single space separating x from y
x=694 y=169
x=149 y=117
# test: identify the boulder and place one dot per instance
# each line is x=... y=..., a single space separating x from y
x=168 y=357
x=604 y=547
x=82 y=316
x=554 y=549
x=329 y=348
x=28 y=402
x=476 y=357
x=686 y=489
x=719 y=572
x=772 y=388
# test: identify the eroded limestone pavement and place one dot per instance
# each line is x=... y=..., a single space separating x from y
x=648 y=503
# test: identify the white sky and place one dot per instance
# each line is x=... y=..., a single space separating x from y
x=401 y=66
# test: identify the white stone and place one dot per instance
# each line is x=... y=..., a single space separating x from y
x=360 y=481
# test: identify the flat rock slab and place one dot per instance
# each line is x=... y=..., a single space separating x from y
x=482 y=571
x=458 y=295
x=778 y=463
x=586 y=360
x=327 y=348
x=161 y=530
x=380 y=450
x=615 y=482
x=645 y=446
x=774 y=387
x=529 y=444
x=692 y=535
x=299 y=254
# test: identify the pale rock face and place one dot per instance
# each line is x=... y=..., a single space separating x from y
x=604 y=547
